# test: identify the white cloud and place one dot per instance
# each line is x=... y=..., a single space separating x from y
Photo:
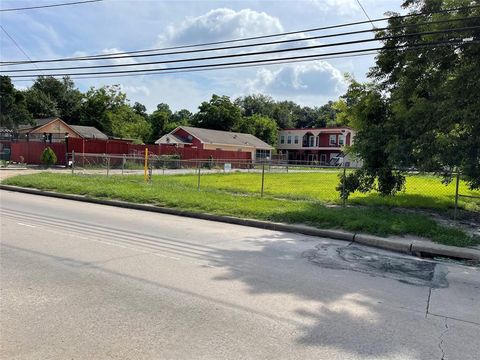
x=314 y=78
x=342 y=7
x=221 y=24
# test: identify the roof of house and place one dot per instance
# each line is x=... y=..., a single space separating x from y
x=171 y=139
x=209 y=136
x=89 y=132
x=326 y=129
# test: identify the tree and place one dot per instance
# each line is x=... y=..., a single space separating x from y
x=66 y=99
x=48 y=157
x=140 y=109
x=179 y=118
x=13 y=107
x=159 y=120
x=126 y=123
x=39 y=104
x=370 y=112
x=341 y=117
x=285 y=113
x=97 y=104
x=182 y=116
x=326 y=115
x=423 y=105
x=256 y=104
x=434 y=93
x=218 y=114
x=261 y=126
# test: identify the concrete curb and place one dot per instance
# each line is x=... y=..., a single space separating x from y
x=413 y=247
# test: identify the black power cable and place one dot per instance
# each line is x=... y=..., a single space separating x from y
x=228 y=56
x=266 y=36
x=226 y=67
x=50 y=6
x=420 y=45
x=110 y=57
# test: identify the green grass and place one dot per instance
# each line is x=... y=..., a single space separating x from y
x=180 y=192
x=421 y=191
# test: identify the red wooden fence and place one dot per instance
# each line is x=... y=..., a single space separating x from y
x=30 y=152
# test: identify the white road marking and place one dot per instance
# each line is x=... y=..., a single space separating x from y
x=32 y=226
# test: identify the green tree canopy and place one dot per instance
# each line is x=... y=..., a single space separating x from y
x=423 y=107
x=126 y=123
x=159 y=121
x=256 y=104
x=219 y=114
x=98 y=103
x=39 y=104
x=62 y=93
x=261 y=126
x=13 y=107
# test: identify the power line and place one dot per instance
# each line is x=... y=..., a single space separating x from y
x=17 y=45
x=137 y=71
x=227 y=56
x=110 y=57
x=267 y=36
x=218 y=68
x=363 y=9
x=50 y=6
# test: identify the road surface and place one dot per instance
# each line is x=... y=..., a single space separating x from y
x=86 y=281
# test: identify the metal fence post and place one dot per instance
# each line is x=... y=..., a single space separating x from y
x=263 y=178
x=73 y=161
x=344 y=198
x=198 y=181
x=456 y=195
x=145 y=165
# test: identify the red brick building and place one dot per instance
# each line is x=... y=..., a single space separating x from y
x=324 y=146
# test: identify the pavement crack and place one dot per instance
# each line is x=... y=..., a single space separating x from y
x=442 y=340
x=428 y=301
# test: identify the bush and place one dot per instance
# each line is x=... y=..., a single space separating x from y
x=48 y=157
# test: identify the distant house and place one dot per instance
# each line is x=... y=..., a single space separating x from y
x=321 y=145
x=207 y=139
x=54 y=129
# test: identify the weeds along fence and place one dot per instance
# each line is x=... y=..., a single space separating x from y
x=278 y=179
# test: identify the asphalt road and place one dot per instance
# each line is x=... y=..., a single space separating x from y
x=85 y=281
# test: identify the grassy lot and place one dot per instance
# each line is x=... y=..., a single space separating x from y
x=180 y=192
x=421 y=191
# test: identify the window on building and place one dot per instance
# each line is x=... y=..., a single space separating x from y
x=317 y=140
x=282 y=139
x=323 y=158
x=289 y=139
x=333 y=139
x=296 y=139
x=262 y=154
x=341 y=139
x=311 y=141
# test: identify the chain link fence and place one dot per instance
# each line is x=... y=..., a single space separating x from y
x=280 y=180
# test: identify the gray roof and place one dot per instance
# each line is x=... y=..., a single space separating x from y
x=171 y=139
x=209 y=136
x=89 y=132
x=41 y=122
x=37 y=123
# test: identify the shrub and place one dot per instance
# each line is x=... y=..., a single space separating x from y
x=48 y=157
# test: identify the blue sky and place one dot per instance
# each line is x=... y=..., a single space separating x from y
x=121 y=25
